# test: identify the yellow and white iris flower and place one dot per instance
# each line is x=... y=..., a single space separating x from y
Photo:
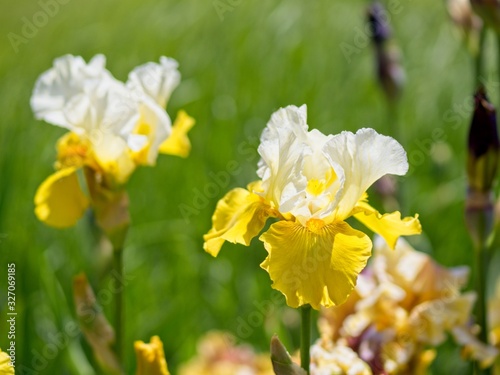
x=113 y=128
x=312 y=183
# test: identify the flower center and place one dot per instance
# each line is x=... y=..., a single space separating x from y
x=317 y=186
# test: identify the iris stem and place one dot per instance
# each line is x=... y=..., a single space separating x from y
x=479 y=58
x=305 y=337
x=119 y=310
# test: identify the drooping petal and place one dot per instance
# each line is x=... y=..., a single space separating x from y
x=68 y=78
x=150 y=357
x=365 y=157
x=389 y=226
x=59 y=201
x=178 y=142
x=317 y=266
x=155 y=80
x=238 y=218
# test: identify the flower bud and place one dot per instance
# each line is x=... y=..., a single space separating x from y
x=377 y=19
x=282 y=362
x=483 y=145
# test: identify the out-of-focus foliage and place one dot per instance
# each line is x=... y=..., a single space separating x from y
x=238 y=66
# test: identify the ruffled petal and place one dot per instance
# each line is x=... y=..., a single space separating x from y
x=317 y=266
x=389 y=226
x=282 y=150
x=150 y=357
x=365 y=157
x=67 y=79
x=155 y=80
x=59 y=201
x=238 y=218
x=178 y=142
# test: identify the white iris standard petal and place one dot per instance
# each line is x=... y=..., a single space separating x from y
x=296 y=175
x=69 y=77
x=365 y=157
x=154 y=80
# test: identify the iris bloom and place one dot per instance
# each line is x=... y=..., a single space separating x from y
x=403 y=303
x=113 y=128
x=312 y=183
x=150 y=357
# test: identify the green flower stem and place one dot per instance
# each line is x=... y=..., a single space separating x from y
x=305 y=337
x=478 y=66
x=119 y=308
x=498 y=62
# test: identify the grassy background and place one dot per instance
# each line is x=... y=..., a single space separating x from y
x=236 y=72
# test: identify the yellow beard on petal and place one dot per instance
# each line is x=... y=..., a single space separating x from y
x=72 y=151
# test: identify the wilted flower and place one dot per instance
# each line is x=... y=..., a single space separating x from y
x=5 y=364
x=403 y=302
x=150 y=357
x=312 y=183
x=217 y=354
x=114 y=127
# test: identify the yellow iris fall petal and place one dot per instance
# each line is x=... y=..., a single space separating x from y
x=5 y=365
x=178 y=143
x=59 y=201
x=238 y=218
x=389 y=226
x=150 y=357
x=317 y=267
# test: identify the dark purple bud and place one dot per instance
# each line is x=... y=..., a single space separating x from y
x=378 y=21
x=483 y=144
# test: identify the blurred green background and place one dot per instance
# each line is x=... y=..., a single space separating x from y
x=237 y=69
